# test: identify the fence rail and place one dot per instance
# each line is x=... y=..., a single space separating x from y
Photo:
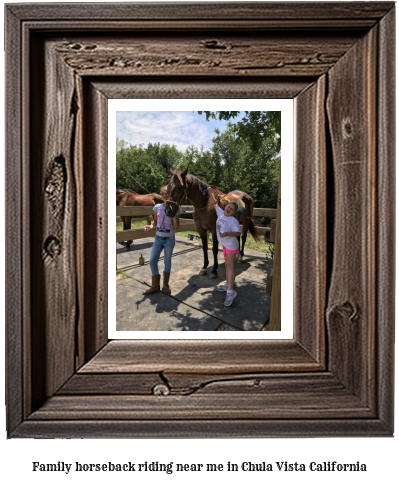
x=143 y=213
x=138 y=233
x=137 y=218
x=139 y=211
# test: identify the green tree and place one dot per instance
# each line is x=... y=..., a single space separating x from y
x=121 y=144
x=254 y=126
x=249 y=158
x=165 y=155
x=140 y=169
x=228 y=150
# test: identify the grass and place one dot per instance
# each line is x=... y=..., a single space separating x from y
x=121 y=275
x=119 y=225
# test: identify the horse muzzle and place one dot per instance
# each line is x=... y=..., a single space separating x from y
x=171 y=209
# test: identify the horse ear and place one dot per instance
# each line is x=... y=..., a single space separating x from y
x=184 y=173
x=171 y=172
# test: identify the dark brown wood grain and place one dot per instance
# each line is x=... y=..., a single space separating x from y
x=176 y=87
x=17 y=255
x=95 y=203
x=385 y=225
x=53 y=232
x=64 y=379
x=351 y=307
x=251 y=54
x=362 y=13
x=201 y=356
x=310 y=218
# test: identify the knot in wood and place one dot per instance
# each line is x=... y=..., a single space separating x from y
x=51 y=249
x=347 y=128
x=349 y=310
x=161 y=390
x=50 y=188
x=213 y=44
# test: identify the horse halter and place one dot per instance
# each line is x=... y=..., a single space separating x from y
x=171 y=211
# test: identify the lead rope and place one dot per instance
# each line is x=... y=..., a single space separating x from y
x=185 y=195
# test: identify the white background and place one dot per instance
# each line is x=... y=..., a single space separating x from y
x=380 y=455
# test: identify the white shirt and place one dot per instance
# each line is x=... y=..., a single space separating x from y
x=227 y=224
x=165 y=226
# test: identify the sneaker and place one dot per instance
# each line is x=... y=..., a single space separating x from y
x=229 y=298
x=223 y=288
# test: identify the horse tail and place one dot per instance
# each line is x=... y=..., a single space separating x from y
x=249 y=207
x=253 y=231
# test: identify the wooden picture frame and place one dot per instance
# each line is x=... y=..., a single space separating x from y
x=335 y=378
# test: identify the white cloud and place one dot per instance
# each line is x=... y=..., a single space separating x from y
x=174 y=128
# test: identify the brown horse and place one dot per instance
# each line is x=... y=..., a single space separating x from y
x=183 y=186
x=127 y=197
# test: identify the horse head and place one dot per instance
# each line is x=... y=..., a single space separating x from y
x=120 y=193
x=176 y=192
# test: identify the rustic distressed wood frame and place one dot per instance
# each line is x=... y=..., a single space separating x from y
x=336 y=376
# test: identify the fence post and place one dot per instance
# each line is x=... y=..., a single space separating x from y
x=275 y=306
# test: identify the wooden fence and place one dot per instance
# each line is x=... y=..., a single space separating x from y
x=145 y=213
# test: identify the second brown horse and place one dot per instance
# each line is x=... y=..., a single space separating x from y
x=127 y=197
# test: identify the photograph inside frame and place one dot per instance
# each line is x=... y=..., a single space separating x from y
x=198 y=225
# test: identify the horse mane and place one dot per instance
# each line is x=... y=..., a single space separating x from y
x=194 y=180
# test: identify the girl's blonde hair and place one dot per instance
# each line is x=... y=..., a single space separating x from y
x=234 y=204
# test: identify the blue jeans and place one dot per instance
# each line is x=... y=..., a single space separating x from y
x=162 y=243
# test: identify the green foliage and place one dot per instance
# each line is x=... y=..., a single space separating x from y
x=254 y=127
x=246 y=165
x=142 y=169
x=201 y=163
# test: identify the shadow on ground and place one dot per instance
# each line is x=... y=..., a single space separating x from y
x=194 y=304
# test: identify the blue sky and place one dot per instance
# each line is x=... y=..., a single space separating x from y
x=179 y=128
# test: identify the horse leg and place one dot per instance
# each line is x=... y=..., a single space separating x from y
x=239 y=246
x=215 y=249
x=127 y=226
x=241 y=254
x=124 y=228
x=202 y=233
